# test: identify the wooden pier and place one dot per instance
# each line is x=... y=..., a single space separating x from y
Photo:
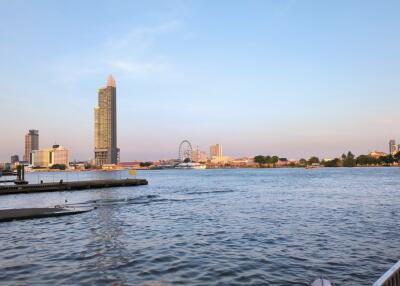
x=69 y=186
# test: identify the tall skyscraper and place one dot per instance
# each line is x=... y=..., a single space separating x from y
x=392 y=147
x=105 y=125
x=31 y=143
x=215 y=151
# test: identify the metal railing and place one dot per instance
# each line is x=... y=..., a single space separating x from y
x=391 y=277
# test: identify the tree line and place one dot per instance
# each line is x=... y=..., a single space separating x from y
x=346 y=160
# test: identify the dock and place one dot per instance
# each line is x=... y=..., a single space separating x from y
x=69 y=186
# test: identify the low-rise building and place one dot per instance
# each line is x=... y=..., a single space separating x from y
x=377 y=154
x=45 y=158
x=199 y=156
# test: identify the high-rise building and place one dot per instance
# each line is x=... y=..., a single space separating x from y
x=31 y=143
x=392 y=147
x=215 y=151
x=57 y=155
x=105 y=125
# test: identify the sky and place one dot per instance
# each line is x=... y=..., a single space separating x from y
x=292 y=78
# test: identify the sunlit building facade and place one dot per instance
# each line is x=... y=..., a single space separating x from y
x=44 y=158
x=215 y=151
x=105 y=125
x=31 y=143
x=199 y=156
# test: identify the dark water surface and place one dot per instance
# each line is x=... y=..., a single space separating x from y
x=211 y=227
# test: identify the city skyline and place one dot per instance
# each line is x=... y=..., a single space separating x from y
x=279 y=84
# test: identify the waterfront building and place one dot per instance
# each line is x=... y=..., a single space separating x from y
x=215 y=151
x=377 y=154
x=199 y=156
x=5 y=166
x=220 y=160
x=57 y=155
x=392 y=147
x=105 y=125
x=31 y=143
x=14 y=159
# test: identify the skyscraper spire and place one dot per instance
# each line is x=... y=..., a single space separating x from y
x=111 y=81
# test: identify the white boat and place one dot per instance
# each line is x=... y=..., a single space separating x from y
x=321 y=282
x=196 y=166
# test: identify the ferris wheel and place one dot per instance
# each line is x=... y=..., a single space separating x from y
x=185 y=151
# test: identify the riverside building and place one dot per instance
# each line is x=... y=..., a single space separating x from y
x=392 y=147
x=199 y=156
x=31 y=143
x=105 y=125
x=57 y=155
x=215 y=151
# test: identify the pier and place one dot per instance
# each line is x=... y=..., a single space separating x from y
x=69 y=186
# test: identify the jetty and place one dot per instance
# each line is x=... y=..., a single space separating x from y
x=69 y=186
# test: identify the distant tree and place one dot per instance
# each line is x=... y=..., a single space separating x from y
x=313 y=160
x=386 y=160
x=145 y=164
x=303 y=162
x=332 y=163
x=397 y=157
x=259 y=159
x=349 y=160
x=58 y=167
x=274 y=159
x=187 y=160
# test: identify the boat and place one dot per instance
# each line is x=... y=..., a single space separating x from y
x=195 y=166
x=322 y=282
x=313 y=166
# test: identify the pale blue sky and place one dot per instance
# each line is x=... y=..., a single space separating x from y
x=293 y=78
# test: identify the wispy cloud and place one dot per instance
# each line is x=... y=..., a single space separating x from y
x=133 y=54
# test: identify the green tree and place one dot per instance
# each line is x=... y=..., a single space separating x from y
x=274 y=159
x=260 y=160
x=313 y=160
x=145 y=164
x=386 y=160
x=58 y=167
x=397 y=156
x=349 y=160
x=302 y=162
x=332 y=163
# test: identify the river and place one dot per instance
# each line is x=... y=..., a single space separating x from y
x=210 y=227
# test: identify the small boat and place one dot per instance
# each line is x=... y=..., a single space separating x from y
x=313 y=166
x=196 y=166
x=322 y=282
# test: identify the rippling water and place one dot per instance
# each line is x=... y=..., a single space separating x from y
x=212 y=227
